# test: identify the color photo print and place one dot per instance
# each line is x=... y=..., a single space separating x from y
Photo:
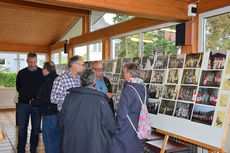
x=153 y=106
x=190 y=76
x=207 y=96
x=176 y=61
x=183 y=110
x=170 y=92
x=193 y=60
x=217 y=60
x=167 y=107
x=158 y=76
x=173 y=76
x=211 y=78
x=161 y=62
x=187 y=93
x=146 y=75
x=203 y=114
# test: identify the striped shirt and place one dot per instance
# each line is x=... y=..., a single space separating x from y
x=61 y=84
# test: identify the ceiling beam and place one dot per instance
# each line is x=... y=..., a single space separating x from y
x=46 y=7
x=208 y=5
x=167 y=10
x=23 y=48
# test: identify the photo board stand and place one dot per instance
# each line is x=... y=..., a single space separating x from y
x=200 y=144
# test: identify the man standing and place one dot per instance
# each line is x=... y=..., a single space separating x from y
x=28 y=83
x=102 y=83
x=63 y=83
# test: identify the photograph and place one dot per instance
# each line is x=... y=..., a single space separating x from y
x=176 y=61
x=219 y=119
x=161 y=62
x=147 y=62
x=155 y=91
x=109 y=67
x=88 y=64
x=114 y=88
x=211 y=78
x=167 y=107
x=137 y=60
x=227 y=69
x=146 y=75
x=158 y=76
x=126 y=60
x=118 y=67
x=120 y=85
x=183 y=110
x=170 y=92
x=190 y=76
x=207 y=96
x=114 y=78
x=187 y=93
x=108 y=75
x=153 y=106
x=203 y=114
x=217 y=60
x=226 y=84
x=223 y=102
x=193 y=60
x=173 y=76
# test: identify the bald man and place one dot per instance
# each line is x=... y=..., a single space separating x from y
x=102 y=83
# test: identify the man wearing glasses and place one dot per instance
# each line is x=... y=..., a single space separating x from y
x=64 y=82
x=102 y=83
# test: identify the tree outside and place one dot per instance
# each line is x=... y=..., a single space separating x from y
x=218 y=33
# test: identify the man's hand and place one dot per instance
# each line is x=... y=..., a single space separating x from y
x=110 y=95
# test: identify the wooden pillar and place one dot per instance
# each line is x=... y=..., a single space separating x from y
x=85 y=24
x=70 y=52
x=106 y=48
x=194 y=47
x=49 y=56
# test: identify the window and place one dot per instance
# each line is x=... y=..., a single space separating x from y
x=64 y=58
x=81 y=51
x=9 y=62
x=214 y=31
x=55 y=58
x=160 y=41
x=95 y=51
x=127 y=46
x=101 y=20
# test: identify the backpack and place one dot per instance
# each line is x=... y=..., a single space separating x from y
x=144 y=125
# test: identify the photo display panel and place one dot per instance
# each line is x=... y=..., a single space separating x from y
x=188 y=93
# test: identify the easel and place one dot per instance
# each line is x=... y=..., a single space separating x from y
x=206 y=146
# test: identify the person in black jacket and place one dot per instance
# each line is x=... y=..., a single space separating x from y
x=87 y=119
x=48 y=111
x=28 y=83
x=102 y=83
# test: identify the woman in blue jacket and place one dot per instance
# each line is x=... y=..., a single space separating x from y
x=125 y=139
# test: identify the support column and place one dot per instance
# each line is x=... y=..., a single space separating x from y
x=85 y=24
x=106 y=48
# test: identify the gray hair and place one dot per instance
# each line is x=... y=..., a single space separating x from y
x=73 y=60
x=87 y=77
x=49 y=66
x=133 y=69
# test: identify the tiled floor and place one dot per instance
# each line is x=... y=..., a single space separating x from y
x=7 y=122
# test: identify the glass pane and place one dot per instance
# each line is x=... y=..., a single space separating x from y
x=160 y=42
x=41 y=59
x=95 y=51
x=64 y=58
x=217 y=34
x=55 y=58
x=22 y=61
x=8 y=69
x=81 y=51
x=127 y=46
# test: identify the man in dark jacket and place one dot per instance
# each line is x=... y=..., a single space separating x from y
x=48 y=110
x=87 y=118
x=28 y=83
x=102 y=83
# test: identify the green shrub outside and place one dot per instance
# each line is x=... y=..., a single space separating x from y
x=8 y=79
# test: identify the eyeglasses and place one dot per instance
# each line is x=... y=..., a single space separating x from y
x=81 y=64
x=99 y=69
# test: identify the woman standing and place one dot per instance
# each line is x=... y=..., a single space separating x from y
x=125 y=139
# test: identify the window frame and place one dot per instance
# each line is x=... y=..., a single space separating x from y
x=202 y=25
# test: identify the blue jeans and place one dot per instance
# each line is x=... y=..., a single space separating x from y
x=50 y=133
x=24 y=112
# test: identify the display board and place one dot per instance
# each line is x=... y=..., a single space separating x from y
x=188 y=94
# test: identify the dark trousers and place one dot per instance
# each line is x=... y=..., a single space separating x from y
x=50 y=133
x=61 y=130
x=24 y=113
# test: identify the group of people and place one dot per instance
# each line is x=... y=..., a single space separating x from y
x=76 y=108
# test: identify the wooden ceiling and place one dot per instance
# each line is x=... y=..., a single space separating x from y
x=26 y=23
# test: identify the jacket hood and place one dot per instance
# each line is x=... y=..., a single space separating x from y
x=90 y=91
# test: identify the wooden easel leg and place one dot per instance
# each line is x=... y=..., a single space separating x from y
x=164 y=144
